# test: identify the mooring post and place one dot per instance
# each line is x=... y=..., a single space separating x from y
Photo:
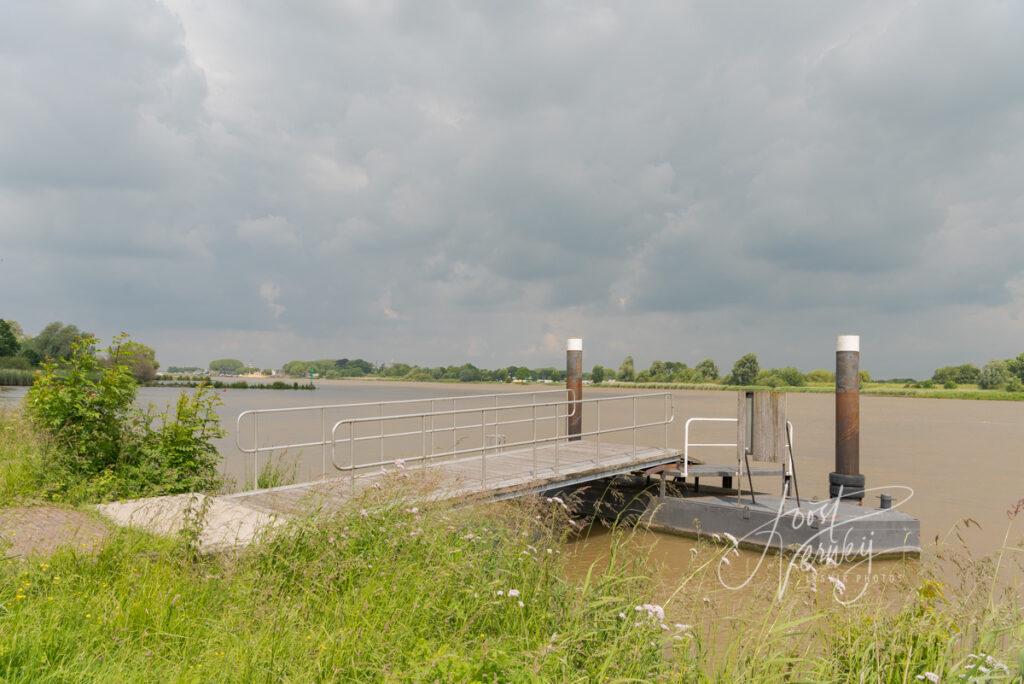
x=847 y=476
x=574 y=385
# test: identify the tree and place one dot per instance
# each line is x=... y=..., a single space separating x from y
x=522 y=373
x=140 y=359
x=55 y=341
x=994 y=375
x=821 y=376
x=745 y=370
x=1016 y=366
x=707 y=370
x=228 y=366
x=626 y=371
x=597 y=375
x=9 y=345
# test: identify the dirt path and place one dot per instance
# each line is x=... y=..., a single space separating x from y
x=40 y=530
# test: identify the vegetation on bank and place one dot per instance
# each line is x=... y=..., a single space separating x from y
x=384 y=590
x=91 y=443
x=239 y=384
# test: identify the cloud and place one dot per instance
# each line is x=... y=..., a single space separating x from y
x=669 y=180
x=271 y=294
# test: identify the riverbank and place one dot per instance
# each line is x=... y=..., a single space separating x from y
x=413 y=592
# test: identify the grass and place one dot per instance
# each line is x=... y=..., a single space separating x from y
x=383 y=590
x=15 y=377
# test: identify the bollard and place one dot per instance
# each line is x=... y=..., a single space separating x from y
x=847 y=477
x=574 y=383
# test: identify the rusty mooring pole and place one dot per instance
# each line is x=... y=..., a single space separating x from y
x=847 y=476
x=574 y=385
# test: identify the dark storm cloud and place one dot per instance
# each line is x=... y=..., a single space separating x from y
x=461 y=180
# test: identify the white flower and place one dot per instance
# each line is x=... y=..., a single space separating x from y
x=930 y=676
x=501 y=592
x=363 y=513
x=622 y=616
x=400 y=463
x=837 y=583
x=683 y=628
x=520 y=604
x=732 y=539
x=413 y=510
x=654 y=611
x=513 y=593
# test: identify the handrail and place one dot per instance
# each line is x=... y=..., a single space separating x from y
x=790 y=441
x=666 y=397
x=323 y=408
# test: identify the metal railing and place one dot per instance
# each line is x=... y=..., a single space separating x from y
x=489 y=419
x=790 y=440
x=381 y=406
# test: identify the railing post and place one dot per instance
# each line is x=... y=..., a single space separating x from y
x=597 y=404
x=483 y=450
x=423 y=441
x=381 y=456
x=534 y=423
x=323 y=446
x=352 y=455
x=574 y=384
x=634 y=427
x=256 y=451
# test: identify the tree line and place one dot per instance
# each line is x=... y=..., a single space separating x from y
x=998 y=374
x=56 y=342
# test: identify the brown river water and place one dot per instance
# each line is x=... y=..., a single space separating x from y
x=962 y=459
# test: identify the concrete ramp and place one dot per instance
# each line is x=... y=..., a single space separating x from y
x=223 y=523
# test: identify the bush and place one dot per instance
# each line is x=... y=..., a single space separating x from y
x=994 y=375
x=821 y=376
x=1014 y=384
x=15 y=362
x=101 y=446
x=949 y=384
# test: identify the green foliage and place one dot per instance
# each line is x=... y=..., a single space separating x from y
x=707 y=370
x=1016 y=366
x=1014 y=384
x=744 y=371
x=949 y=384
x=140 y=358
x=9 y=345
x=597 y=375
x=101 y=446
x=994 y=375
x=15 y=362
x=21 y=469
x=627 y=373
x=55 y=342
x=864 y=376
x=85 y=408
x=227 y=366
x=15 y=377
x=821 y=376
x=965 y=374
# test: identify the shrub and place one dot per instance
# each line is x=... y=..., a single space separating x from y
x=821 y=376
x=994 y=375
x=101 y=446
x=949 y=384
x=1014 y=384
x=15 y=362
x=707 y=370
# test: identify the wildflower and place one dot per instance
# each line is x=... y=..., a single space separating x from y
x=653 y=611
x=693 y=551
x=717 y=537
x=363 y=513
x=521 y=604
x=622 y=616
x=513 y=593
x=400 y=463
x=683 y=628
x=412 y=510
x=837 y=583
x=501 y=592
x=930 y=676
x=726 y=560
x=733 y=540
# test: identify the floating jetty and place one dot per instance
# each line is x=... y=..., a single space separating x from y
x=506 y=445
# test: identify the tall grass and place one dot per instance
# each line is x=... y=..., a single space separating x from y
x=21 y=458
x=15 y=377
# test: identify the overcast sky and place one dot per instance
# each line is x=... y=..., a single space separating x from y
x=440 y=182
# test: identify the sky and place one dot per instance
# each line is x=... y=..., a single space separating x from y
x=442 y=182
